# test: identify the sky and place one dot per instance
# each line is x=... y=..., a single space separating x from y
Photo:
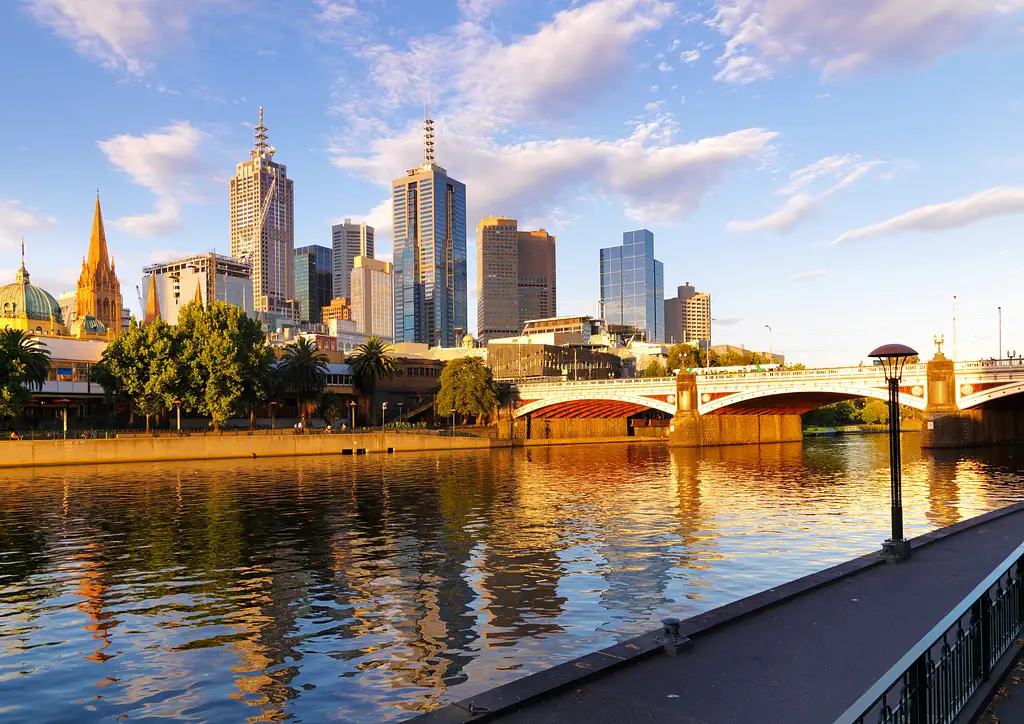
x=837 y=171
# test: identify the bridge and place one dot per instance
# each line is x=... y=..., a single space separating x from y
x=937 y=386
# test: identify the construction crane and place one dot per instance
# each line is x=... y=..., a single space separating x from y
x=142 y=307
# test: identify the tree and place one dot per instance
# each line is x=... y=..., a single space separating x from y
x=875 y=412
x=24 y=366
x=304 y=374
x=685 y=357
x=654 y=368
x=224 y=358
x=332 y=407
x=142 y=363
x=467 y=388
x=370 y=361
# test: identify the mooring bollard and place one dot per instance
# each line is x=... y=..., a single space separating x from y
x=670 y=639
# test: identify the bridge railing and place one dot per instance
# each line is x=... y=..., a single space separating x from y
x=935 y=679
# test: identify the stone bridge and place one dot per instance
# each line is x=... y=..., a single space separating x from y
x=951 y=391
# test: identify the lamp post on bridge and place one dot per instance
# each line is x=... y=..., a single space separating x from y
x=1000 y=310
x=893 y=358
x=771 y=352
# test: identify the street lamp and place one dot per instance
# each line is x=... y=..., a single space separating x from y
x=771 y=353
x=383 y=407
x=893 y=358
x=1000 y=309
x=273 y=417
x=352 y=409
x=177 y=405
x=400 y=406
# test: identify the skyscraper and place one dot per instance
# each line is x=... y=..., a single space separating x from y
x=99 y=292
x=373 y=304
x=632 y=286
x=515 y=277
x=348 y=240
x=313 y=282
x=263 y=226
x=688 y=316
x=429 y=214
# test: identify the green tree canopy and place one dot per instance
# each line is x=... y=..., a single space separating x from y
x=24 y=366
x=467 y=388
x=685 y=357
x=372 y=360
x=654 y=368
x=303 y=371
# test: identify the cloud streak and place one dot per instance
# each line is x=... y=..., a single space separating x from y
x=949 y=215
x=804 y=276
x=16 y=218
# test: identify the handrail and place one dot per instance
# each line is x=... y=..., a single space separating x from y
x=925 y=690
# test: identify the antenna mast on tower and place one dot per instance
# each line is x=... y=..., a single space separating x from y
x=428 y=131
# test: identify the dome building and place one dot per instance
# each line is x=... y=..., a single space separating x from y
x=29 y=308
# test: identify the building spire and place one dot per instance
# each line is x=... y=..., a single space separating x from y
x=428 y=131
x=261 y=147
x=198 y=299
x=98 y=241
x=152 y=303
x=22 y=276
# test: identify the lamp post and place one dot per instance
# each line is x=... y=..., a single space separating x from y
x=64 y=407
x=400 y=406
x=273 y=416
x=893 y=358
x=771 y=353
x=177 y=407
x=383 y=407
x=1000 y=309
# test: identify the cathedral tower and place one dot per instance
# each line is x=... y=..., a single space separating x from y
x=99 y=291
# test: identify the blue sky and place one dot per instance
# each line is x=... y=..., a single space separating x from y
x=836 y=170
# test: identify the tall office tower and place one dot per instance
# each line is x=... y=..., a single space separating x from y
x=373 y=302
x=497 y=279
x=515 y=272
x=348 y=241
x=263 y=226
x=98 y=293
x=313 y=281
x=633 y=287
x=429 y=213
x=688 y=317
x=537 y=293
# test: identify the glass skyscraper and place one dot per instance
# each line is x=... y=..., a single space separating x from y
x=313 y=281
x=633 y=286
x=429 y=214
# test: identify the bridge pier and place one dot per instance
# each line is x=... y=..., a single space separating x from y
x=946 y=426
x=691 y=429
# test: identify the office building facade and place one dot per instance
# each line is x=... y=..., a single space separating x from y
x=349 y=240
x=633 y=287
x=200 y=277
x=688 y=317
x=314 y=275
x=515 y=277
x=263 y=226
x=373 y=304
x=429 y=221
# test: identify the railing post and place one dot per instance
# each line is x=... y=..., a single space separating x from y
x=920 y=688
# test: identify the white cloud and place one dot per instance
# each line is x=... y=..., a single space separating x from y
x=689 y=56
x=478 y=10
x=121 y=33
x=664 y=67
x=802 y=276
x=657 y=180
x=169 y=163
x=335 y=11
x=949 y=215
x=16 y=219
x=842 y=37
x=800 y=205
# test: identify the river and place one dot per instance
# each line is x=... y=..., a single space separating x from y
x=368 y=589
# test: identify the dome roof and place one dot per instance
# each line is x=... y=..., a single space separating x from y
x=88 y=324
x=22 y=298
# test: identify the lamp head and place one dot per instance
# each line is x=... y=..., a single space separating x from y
x=893 y=357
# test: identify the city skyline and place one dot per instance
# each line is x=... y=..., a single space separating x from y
x=747 y=184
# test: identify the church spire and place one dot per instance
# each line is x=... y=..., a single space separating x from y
x=199 y=295
x=98 y=241
x=152 y=303
x=22 y=275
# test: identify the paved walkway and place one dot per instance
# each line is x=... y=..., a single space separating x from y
x=802 y=661
x=1007 y=706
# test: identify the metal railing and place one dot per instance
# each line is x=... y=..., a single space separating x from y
x=934 y=681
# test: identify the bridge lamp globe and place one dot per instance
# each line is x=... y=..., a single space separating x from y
x=893 y=358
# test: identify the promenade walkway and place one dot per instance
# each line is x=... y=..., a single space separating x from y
x=797 y=654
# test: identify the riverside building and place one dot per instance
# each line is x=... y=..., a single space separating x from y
x=633 y=287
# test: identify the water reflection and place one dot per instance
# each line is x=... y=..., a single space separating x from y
x=369 y=589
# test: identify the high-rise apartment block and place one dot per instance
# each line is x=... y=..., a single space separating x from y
x=313 y=282
x=515 y=273
x=688 y=317
x=197 y=278
x=429 y=215
x=373 y=304
x=339 y=308
x=349 y=240
x=263 y=226
x=633 y=287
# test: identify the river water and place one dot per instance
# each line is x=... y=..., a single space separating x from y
x=367 y=589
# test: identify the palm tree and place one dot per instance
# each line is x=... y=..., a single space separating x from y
x=27 y=353
x=304 y=374
x=372 y=360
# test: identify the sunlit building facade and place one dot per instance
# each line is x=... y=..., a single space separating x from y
x=633 y=286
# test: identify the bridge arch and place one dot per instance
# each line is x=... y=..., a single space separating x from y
x=804 y=397
x=994 y=394
x=598 y=400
